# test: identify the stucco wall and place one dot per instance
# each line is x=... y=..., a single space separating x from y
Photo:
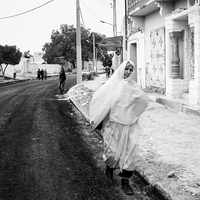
x=139 y=44
x=152 y=21
x=180 y=4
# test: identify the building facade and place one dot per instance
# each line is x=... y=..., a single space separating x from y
x=163 y=39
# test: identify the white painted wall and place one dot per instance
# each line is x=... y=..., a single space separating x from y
x=88 y=65
x=180 y=4
x=25 y=67
x=139 y=44
x=38 y=57
x=51 y=69
x=152 y=21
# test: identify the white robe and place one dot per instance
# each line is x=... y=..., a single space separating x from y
x=119 y=103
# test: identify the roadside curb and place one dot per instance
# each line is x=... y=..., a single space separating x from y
x=13 y=82
x=159 y=190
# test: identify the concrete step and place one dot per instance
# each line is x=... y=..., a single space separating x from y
x=182 y=105
x=185 y=96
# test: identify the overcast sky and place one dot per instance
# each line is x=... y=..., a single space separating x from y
x=31 y=30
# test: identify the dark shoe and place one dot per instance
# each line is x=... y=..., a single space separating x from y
x=125 y=173
x=126 y=187
x=109 y=172
x=120 y=174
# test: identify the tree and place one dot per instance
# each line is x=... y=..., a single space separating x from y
x=9 y=55
x=63 y=45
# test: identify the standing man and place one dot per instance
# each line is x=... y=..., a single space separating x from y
x=45 y=74
x=38 y=74
x=107 y=69
x=42 y=74
x=62 y=78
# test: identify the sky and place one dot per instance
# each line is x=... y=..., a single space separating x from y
x=31 y=30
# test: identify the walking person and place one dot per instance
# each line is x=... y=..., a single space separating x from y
x=107 y=69
x=112 y=71
x=45 y=74
x=38 y=74
x=62 y=78
x=42 y=74
x=118 y=105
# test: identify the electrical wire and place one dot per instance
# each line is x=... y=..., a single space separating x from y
x=106 y=2
x=82 y=18
x=27 y=11
x=54 y=10
x=91 y=11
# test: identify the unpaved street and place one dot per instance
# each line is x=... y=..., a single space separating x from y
x=47 y=150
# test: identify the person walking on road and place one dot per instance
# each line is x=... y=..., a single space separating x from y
x=118 y=105
x=42 y=74
x=38 y=74
x=45 y=74
x=107 y=69
x=62 y=78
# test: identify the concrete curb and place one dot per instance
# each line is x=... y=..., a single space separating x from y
x=159 y=190
x=13 y=82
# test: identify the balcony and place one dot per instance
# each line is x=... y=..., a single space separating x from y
x=144 y=7
x=133 y=4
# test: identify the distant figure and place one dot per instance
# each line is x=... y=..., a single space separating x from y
x=112 y=71
x=38 y=74
x=107 y=69
x=62 y=78
x=42 y=74
x=45 y=74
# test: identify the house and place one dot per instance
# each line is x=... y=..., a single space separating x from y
x=163 y=39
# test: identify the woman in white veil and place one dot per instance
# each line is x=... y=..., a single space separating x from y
x=119 y=103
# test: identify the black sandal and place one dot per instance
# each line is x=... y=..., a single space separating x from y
x=109 y=172
x=126 y=187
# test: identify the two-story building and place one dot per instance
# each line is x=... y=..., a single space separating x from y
x=163 y=39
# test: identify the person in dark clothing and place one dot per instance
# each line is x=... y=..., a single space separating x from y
x=42 y=74
x=112 y=70
x=38 y=74
x=45 y=74
x=107 y=69
x=62 y=78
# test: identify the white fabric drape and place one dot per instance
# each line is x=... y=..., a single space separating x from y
x=119 y=103
x=102 y=98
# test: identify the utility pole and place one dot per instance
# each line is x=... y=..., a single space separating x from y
x=114 y=19
x=78 y=45
x=95 y=67
x=115 y=32
x=126 y=18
